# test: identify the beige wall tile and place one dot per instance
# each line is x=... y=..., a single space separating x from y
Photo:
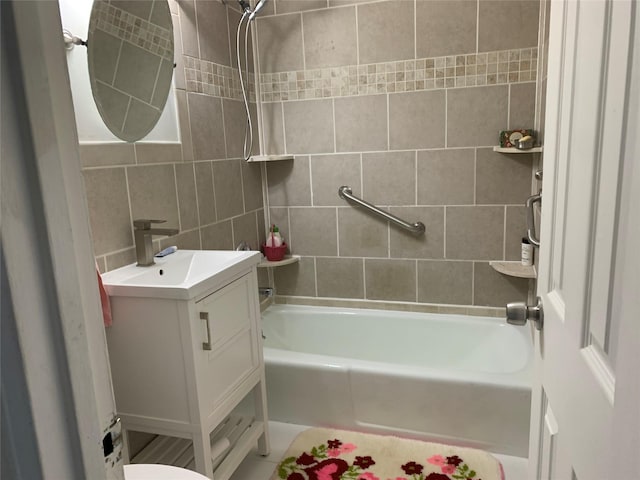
x=263 y=278
x=340 y=3
x=188 y=28
x=361 y=123
x=390 y=280
x=522 y=105
x=252 y=186
x=405 y=244
x=340 y=277
x=227 y=187
x=185 y=126
x=296 y=279
x=207 y=130
x=502 y=178
x=204 y=191
x=330 y=172
x=267 y=9
x=245 y=228
x=288 y=182
x=262 y=228
x=474 y=233
x=213 y=33
x=108 y=204
x=361 y=234
x=290 y=6
x=493 y=289
x=386 y=31
x=187 y=200
x=235 y=121
x=158 y=152
x=309 y=126
x=217 y=236
x=120 y=259
x=476 y=115
x=106 y=154
x=445 y=282
x=273 y=128
x=446 y=177
x=152 y=190
x=313 y=231
x=445 y=27
x=507 y=24
x=280 y=218
x=102 y=264
x=184 y=241
x=417 y=119
x=389 y=178
x=280 y=40
x=516 y=229
x=330 y=37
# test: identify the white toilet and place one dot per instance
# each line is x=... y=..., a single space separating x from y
x=159 y=472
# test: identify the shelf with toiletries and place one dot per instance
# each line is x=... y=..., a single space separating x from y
x=514 y=269
x=269 y=158
x=287 y=260
x=516 y=150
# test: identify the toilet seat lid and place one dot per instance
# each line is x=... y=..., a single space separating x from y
x=159 y=472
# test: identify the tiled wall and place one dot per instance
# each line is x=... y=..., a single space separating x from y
x=403 y=101
x=200 y=186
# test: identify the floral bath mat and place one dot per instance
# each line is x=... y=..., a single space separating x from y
x=323 y=454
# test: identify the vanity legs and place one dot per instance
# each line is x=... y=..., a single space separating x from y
x=202 y=453
x=260 y=401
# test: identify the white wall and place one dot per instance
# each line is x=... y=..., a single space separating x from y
x=91 y=129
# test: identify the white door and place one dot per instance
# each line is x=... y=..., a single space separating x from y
x=58 y=409
x=584 y=353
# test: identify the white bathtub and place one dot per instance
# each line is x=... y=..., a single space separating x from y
x=451 y=378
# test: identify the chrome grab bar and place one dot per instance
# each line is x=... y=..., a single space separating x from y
x=531 y=222
x=346 y=193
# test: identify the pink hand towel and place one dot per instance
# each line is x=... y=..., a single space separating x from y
x=104 y=299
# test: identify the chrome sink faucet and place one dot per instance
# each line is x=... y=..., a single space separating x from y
x=143 y=233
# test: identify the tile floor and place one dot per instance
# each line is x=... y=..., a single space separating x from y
x=256 y=467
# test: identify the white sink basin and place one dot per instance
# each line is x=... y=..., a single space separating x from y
x=184 y=274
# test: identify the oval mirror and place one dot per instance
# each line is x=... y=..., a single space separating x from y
x=130 y=51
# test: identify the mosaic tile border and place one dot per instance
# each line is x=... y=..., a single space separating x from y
x=217 y=80
x=454 y=71
x=135 y=30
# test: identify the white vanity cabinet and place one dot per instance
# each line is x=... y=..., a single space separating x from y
x=181 y=365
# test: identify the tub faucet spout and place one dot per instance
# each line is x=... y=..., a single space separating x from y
x=143 y=234
x=266 y=292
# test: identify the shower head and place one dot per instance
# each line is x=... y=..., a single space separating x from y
x=245 y=6
x=257 y=9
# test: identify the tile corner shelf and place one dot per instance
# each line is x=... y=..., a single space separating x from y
x=288 y=260
x=269 y=158
x=514 y=269
x=516 y=150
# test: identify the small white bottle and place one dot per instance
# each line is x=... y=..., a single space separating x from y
x=274 y=239
x=527 y=252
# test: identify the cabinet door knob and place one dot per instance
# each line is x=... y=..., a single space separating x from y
x=205 y=316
